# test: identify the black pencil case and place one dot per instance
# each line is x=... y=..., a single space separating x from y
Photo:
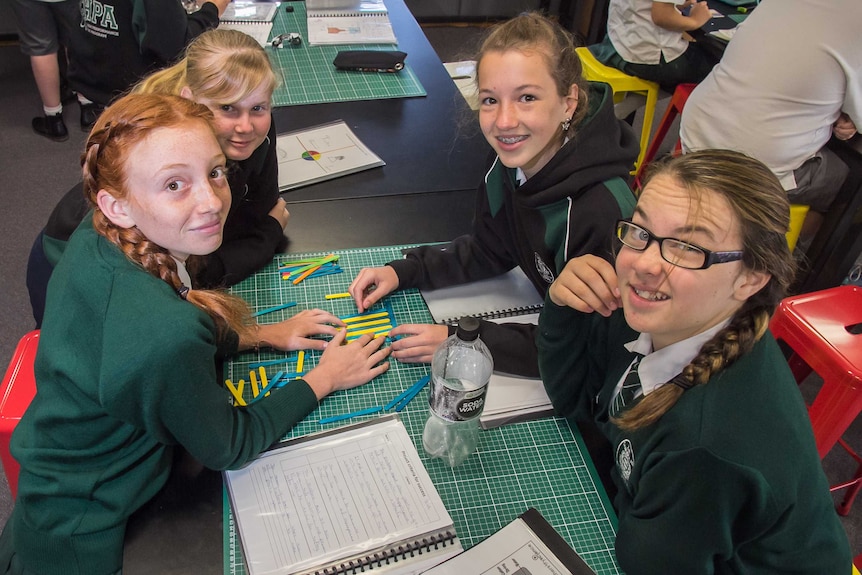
x=370 y=60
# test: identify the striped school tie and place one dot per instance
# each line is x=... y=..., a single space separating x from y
x=631 y=387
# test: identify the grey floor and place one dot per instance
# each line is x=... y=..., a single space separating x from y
x=36 y=172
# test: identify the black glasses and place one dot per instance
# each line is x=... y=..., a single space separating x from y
x=677 y=252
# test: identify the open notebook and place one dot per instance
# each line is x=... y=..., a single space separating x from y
x=349 y=500
x=348 y=22
x=529 y=545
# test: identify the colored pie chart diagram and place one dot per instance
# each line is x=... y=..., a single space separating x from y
x=311 y=155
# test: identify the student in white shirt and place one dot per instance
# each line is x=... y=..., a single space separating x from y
x=646 y=39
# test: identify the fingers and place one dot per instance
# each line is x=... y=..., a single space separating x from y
x=371 y=285
x=587 y=284
x=418 y=342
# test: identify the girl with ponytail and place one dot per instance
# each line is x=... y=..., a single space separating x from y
x=126 y=372
x=668 y=351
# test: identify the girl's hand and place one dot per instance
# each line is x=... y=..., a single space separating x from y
x=347 y=366
x=699 y=14
x=420 y=342
x=587 y=284
x=371 y=285
x=280 y=213
x=295 y=333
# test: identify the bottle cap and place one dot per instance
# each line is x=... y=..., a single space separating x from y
x=468 y=328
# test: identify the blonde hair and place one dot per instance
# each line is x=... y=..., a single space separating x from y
x=120 y=127
x=533 y=32
x=760 y=205
x=219 y=65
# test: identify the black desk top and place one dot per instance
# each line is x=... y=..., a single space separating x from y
x=425 y=193
x=429 y=144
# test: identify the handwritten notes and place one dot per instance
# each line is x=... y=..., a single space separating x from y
x=333 y=496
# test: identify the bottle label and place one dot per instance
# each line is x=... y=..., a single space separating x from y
x=457 y=400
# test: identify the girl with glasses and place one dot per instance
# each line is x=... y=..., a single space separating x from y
x=668 y=350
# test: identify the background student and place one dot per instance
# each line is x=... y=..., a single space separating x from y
x=125 y=372
x=43 y=28
x=230 y=73
x=789 y=80
x=646 y=38
x=117 y=42
x=715 y=461
x=554 y=184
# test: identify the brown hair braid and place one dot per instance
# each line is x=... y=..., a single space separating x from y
x=120 y=127
x=760 y=204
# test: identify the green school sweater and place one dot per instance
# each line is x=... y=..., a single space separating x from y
x=125 y=371
x=727 y=482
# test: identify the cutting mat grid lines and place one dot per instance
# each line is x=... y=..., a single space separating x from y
x=307 y=75
x=539 y=464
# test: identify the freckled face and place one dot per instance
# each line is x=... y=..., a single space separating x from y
x=672 y=303
x=520 y=110
x=178 y=193
x=241 y=126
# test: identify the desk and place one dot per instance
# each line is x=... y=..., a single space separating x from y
x=429 y=144
x=539 y=464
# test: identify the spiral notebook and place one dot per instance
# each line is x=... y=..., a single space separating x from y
x=252 y=18
x=507 y=295
x=529 y=545
x=348 y=22
x=354 y=499
x=510 y=297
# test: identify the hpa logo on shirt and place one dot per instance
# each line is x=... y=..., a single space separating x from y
x=98 y=18
x=625 y=459
x=543 y=269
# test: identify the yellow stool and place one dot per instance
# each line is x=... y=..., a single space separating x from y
x=620 y=83
x=797 y=216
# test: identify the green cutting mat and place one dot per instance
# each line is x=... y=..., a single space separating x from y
x=307 y=75
x=539 y=464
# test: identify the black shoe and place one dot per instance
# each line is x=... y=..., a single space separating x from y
x=89 y=114
x=67 y=96
x=52 y=127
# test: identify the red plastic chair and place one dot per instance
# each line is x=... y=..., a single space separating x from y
x=16 y=393
x=823 y=331
x=674 y=109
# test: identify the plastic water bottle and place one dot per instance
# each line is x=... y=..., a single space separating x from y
x=460 y=371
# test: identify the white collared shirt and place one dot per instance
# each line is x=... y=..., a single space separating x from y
x=659 y=367
x=183 y=273
x=636 y=38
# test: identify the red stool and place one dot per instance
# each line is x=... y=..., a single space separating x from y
x=822 y=330
x=674 y=109
x=18 y=389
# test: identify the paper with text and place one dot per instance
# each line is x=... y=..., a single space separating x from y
x=337 y=496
